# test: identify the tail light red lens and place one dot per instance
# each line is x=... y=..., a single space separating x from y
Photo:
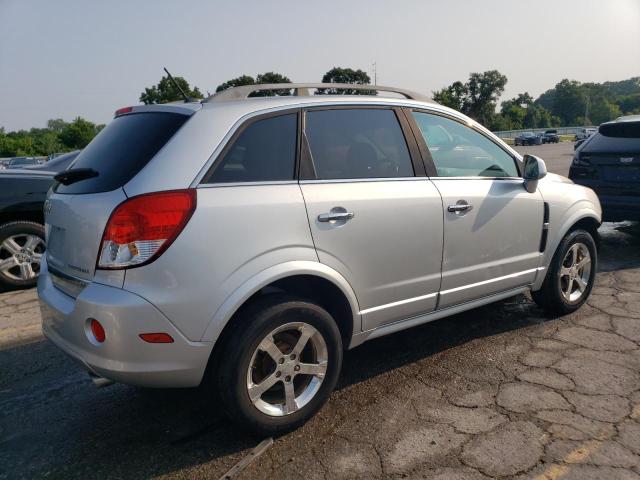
x=122 y=111
x=141 y=228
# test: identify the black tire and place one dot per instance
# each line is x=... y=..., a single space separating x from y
x=550 y=296
x=12 y=229
x=253 y=324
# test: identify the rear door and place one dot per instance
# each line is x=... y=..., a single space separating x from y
x=374 y=215
x=492 y=225
x=76 y=214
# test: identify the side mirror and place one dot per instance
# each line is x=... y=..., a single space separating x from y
x=534 y=170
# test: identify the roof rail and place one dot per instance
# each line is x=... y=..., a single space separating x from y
x=302 y=90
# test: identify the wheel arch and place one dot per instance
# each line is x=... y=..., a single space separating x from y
x=312 y=280
x=585 y=219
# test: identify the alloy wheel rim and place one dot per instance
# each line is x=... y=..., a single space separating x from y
x=575 y=272
x=287 y=369
x=20 y=256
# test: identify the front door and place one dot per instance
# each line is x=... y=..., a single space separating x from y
x=371 y=218
x=492 y=225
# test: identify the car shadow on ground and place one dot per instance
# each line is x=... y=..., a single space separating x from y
x=128 y=432
x=56 y=424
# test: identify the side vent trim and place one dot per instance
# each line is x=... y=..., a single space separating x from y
x=545 y=228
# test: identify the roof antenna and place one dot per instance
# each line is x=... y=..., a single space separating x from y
x=187 y=99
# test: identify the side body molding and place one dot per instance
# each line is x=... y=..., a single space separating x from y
x=271 y=274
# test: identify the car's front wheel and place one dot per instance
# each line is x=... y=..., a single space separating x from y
x=21 y=249
x=279 y=363
x=571 y=274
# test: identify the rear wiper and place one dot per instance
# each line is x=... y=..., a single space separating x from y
x=67 y=177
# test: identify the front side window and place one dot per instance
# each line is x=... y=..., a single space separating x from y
x=265 y=151
x=460 y=151
x=357 y=144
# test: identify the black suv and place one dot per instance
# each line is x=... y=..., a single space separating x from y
x=609 y=163
x=550 y=136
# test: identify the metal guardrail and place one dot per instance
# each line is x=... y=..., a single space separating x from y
x=561 y=131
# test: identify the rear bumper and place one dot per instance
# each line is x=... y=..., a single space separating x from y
x=123 y=357
x=615 y=208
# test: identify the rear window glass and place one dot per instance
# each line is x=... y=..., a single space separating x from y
x=599 y=143
x=122 y=149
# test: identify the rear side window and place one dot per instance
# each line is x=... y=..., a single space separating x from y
x=265 y=151
x=357 y=143
x=122 y=149
x=460 y=151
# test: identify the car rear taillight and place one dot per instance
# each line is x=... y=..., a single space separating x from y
x=581 y=161
x=122 y=111
x=141 y=228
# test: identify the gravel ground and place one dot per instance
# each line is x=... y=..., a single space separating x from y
x=500 y=391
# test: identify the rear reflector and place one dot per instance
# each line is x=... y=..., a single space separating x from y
x=156 y=337
x=141 y=228
x=123 y=110
x=97 y=330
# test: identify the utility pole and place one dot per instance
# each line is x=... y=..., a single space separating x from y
x=374 y=66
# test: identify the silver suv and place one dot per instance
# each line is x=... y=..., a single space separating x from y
x=248 y=241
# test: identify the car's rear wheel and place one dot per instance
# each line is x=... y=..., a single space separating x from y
x=571 y=274
x=279 y=363
x=21 y=249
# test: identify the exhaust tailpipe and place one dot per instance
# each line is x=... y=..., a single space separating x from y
x=99 y=381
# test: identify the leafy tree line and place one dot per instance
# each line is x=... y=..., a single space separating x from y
x=569 y=103
x=58 y=136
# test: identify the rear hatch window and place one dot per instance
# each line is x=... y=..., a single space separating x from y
x=122 y=149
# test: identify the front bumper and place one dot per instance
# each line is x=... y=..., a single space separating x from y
x=123 y=357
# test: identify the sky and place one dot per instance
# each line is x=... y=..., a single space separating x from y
x=69 y=58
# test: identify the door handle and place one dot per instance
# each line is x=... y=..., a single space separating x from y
x=459 y=207
x=333 y=216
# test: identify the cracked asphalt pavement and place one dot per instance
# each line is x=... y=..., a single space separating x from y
x=500 y=391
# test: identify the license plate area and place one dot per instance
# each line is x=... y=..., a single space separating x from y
x=622 y=174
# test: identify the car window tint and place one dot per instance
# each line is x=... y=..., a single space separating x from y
x=265 y=151
x=459 y=151
x=357 y=143
x=122 y=149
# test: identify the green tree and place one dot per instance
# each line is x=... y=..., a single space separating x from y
x=601 y=110
x=477 y=97
x=78 y=133
x=452 y=96
x=165 y=91
x=236 y=82
x=56 y=125
x=629 y=103
x=345 y=75
x=569 y=101
x=261 y=78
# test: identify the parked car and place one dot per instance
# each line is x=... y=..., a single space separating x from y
x=318 y=223
x=609 y=163
x=22 y=196
x=21 y=162
x=57 y=164
x=528 y=138
x=585 y=133
x=550 y=136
